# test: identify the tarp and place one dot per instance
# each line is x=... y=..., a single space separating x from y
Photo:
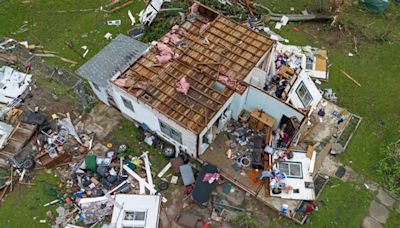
x=376 y=6
x=202 y=190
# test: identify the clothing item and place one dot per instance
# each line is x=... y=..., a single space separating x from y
x=264 y=175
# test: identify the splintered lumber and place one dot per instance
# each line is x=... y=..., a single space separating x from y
x=351 y=78
x=140 y=180
x=8 y=58
x=148 y=170
x=116 y=5
x=164 y=170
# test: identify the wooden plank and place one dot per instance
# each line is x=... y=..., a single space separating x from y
x=351 y=78
x=310 y=151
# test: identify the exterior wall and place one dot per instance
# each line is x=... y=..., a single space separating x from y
x=144 y=114
x=238 y=104
x=257 y=99
x=101 y=94
x=257 y=78
x=311 y=87
x=211 y=122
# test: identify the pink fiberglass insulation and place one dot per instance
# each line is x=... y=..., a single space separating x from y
x=175 y=29
x=203 y=28
x=224 y=79
x=166 y=53
x=162 y=59
x=121 y=82
x=183 y=86
x=194 y=10
x=165 y=39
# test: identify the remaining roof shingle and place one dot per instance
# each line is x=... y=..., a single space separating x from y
x=115 y=57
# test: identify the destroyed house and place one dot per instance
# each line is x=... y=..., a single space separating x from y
x=212 y=56
x=210 y=84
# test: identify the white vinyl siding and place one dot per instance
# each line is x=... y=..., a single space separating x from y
x=171 y=132
x=128 y=104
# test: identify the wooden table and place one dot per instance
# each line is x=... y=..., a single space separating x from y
x=262 y=119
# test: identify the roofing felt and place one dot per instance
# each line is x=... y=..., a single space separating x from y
x=223 y=48
x=117 y=56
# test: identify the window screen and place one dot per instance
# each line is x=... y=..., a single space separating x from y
x=304 y=95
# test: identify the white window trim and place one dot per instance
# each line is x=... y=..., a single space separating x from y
x=302 y=84
x=290 y=164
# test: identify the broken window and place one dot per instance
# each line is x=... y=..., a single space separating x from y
x=128 y=104
x=304 y=95
x=291 y=169
x=171 y=132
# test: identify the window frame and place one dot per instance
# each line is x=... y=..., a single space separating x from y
x=302 y=98
x=170 y=132
x=126 y=101
x=290 y=163
x=134 y=222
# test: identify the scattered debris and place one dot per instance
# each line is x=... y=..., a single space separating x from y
x=131 y=17
x=114 y=22
x=108 y=36
x=147 y=15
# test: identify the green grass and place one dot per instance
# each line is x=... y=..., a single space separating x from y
x=394 y=220
x=24 y=205
x=375 y=69
x=378 y=99
x=53 y=30
x=342 y=206
x=127 y=133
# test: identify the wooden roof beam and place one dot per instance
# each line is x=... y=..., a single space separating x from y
x=187 y=95
x=202 y=83
x=199 y=91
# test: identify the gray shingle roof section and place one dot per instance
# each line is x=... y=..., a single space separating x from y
x=118 y=55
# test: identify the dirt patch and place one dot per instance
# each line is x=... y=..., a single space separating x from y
x=49 y=104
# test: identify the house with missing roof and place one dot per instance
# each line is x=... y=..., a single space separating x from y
x=210 y=70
